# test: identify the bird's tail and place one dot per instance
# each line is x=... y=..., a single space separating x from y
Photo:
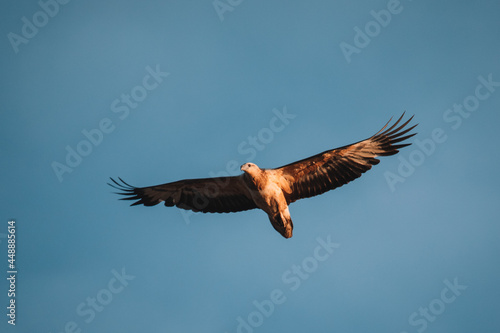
x=282 y=223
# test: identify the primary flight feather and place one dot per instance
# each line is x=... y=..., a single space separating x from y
x=272 y=190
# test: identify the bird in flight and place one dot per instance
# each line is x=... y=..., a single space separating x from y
x=273 y=190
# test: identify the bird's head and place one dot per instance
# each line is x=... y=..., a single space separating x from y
x=249 y=168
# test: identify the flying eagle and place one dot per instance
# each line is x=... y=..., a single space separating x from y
x=272 y=190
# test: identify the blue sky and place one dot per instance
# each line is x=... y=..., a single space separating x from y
x=155 y=92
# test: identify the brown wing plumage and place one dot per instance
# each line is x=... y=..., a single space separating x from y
x=207 y=195
x=334 y=168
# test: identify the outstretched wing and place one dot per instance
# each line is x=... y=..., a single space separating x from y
x=334 y=168
x=207 y=195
